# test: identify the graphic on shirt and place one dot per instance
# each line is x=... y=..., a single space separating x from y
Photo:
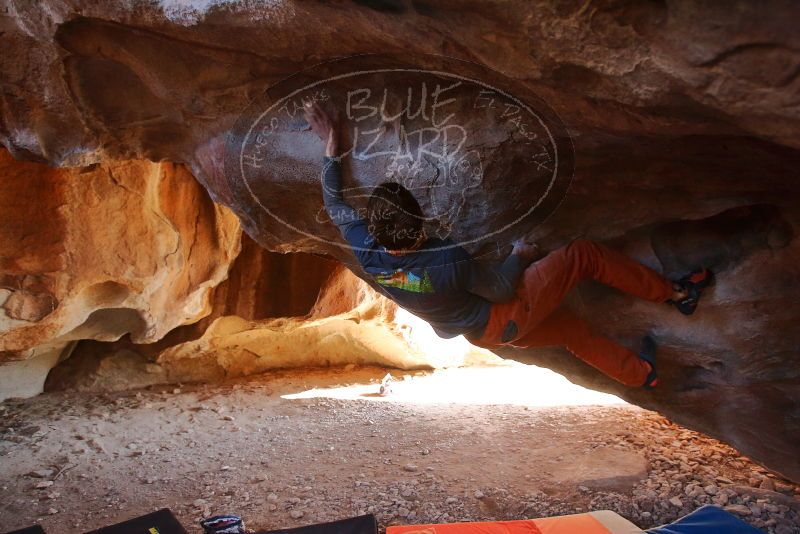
x=406 y=280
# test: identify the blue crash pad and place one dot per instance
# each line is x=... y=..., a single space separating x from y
x=705 y=520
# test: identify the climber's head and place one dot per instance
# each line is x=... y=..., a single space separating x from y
x=395 y=218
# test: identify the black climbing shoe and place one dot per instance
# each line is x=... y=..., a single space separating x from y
x=648 y=354
x=694 y=284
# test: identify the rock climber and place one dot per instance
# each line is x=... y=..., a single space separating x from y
x=513 y=303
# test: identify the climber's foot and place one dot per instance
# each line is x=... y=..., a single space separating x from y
x=648 y=354
x=689 y=289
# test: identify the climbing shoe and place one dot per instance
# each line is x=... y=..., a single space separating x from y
x=693 y=284
x=648 y=354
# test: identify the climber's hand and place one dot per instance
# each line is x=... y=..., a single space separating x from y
x=528 y=251
x=322 y=125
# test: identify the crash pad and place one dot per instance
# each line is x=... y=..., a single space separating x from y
x=599 y=522
x=707 y=519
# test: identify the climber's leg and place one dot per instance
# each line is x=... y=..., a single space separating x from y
x=563 y=328
x=558 y=272
x=546 y=282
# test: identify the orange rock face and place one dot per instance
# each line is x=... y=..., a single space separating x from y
x=274 y=311
x=99 y=252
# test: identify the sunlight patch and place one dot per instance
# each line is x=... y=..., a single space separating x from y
x=511 y=383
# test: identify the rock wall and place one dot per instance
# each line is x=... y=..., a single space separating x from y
x=125 y=274
x=259 y=285
x=274 y=311
x=683 y=117
x=89 y=79
x=122 y=247
x=350 y=323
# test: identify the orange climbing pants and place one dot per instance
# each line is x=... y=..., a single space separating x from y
x=533 y=317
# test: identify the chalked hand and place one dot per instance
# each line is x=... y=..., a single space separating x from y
x=322 y=125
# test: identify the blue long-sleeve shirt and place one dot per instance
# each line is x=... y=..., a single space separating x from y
x=438 y=282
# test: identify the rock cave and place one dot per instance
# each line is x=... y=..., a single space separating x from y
x=174 y=291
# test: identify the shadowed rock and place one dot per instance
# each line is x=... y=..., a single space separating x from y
x=683 y=155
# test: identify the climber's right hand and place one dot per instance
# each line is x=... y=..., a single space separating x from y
x=322 y=125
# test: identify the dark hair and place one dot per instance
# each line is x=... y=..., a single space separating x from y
x=394 y=216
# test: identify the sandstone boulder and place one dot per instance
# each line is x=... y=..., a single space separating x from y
x=349 y=323
x=122 y=247
x=682 y=118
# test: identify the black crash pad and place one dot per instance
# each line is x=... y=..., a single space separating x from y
x=35 y=529
x=160 y=522
x=365 y=524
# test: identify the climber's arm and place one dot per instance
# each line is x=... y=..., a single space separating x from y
x=352 y=227
x=341 y=213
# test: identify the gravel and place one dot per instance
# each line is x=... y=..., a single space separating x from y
x=290 y=463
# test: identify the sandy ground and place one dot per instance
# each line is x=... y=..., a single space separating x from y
x=297 y=447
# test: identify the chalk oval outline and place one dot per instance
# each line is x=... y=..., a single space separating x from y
x=445 y=74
